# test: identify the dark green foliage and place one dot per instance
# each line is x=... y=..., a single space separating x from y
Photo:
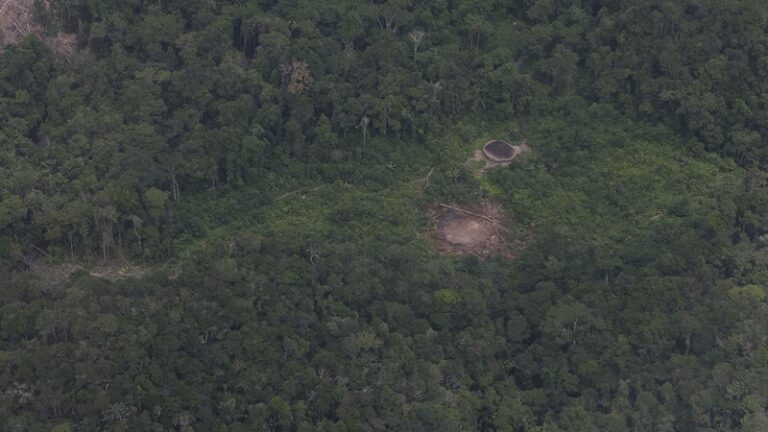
x=263 y=164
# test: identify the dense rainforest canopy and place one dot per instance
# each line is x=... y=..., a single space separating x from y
x=212 y=216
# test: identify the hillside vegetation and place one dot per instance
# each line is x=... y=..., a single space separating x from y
x=214 y=216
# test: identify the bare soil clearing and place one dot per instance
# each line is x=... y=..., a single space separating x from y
x=476 y=231
x=52 y=275
x=16 y=23
x=464 y=230
x=117 y=271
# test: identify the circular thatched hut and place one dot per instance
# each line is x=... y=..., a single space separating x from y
x=499 y=151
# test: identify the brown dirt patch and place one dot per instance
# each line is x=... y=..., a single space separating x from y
x=116 y=271
x=461 y=230
x=50 y=278
x=64 y=44
x=523 y=148
x=475 y=231
x=17 y=23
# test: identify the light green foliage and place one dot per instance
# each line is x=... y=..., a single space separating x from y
x=156 y=200
x=11 y=209
x=447 y=297
x=624 y=181
x=750 y=292
x=267 y=165
x=62 y=427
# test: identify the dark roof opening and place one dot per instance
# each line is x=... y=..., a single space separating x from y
x=499 y=150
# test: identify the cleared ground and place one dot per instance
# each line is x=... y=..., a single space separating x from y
x=477 y=231
x=17 y=23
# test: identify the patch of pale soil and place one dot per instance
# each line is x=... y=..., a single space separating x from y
x=52 y=275
x=117 y=271
x=478 y=156
x=16 y=23
x=65 y=44
x=463 y=230
x=477 y=231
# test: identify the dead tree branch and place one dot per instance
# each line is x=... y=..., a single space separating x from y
x=450 y=207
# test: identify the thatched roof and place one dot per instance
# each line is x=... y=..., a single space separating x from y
x=499 y=151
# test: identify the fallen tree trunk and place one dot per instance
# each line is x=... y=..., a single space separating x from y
x=450 y=207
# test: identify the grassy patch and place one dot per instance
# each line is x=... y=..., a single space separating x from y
x=612 y=192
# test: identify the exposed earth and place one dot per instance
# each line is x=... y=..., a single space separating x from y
x=460 y=231
x=17 y=23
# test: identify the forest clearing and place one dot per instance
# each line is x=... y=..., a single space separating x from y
x=17 y=22
x=388 y=215
x=480 y=232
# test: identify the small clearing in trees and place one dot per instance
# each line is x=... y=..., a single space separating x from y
x=476 y=231
x=496 y=153
x=17 y=23
x=52 y=276
x=118 y=271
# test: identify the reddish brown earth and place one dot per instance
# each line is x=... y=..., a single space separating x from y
x=477 y=231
